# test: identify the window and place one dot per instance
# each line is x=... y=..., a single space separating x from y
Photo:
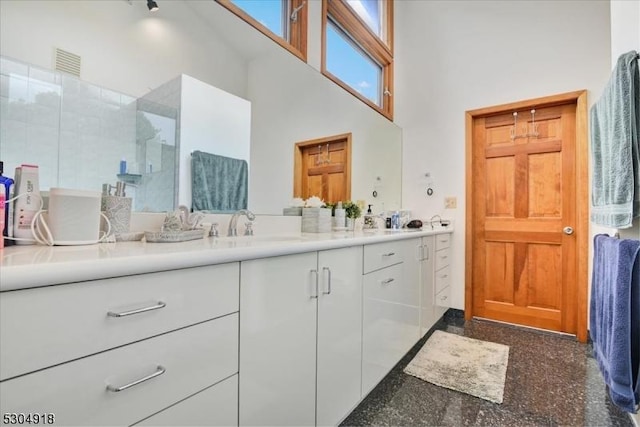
x=358 y=49
x=284 y=21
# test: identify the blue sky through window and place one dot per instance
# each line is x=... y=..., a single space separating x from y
x=267 y=12
x=351 y=65
x=369 y=11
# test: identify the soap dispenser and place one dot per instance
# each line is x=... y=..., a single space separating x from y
x=117 y=208
x=370 y=221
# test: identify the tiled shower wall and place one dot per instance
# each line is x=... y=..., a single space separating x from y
x=76 y=132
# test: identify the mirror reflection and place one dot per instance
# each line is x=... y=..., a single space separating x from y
x=270 y=98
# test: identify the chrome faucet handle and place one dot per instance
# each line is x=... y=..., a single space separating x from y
x=214 y=230
x=248 y=231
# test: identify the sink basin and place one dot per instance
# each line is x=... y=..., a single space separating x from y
x=262 y=238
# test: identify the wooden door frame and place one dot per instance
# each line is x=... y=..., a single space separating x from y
x=297 y=160
x=582 y=232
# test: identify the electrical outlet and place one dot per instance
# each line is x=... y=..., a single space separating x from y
x=450 y=202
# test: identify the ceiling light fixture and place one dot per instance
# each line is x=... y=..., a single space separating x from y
x=152 y=5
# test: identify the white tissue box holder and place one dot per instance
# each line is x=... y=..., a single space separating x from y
x=316 y=220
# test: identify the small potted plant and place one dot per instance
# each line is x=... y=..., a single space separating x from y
x=352 y=212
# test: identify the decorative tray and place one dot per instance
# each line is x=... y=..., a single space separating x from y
x=133 y=236
x=173 y=236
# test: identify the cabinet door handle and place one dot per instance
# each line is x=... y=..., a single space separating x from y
x=389 y=254
x=328 y=270
x=158 y=306
x=386 y=282
x=315 y=273
x=159 y=371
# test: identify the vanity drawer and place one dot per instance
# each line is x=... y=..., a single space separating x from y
x=443 y=258
x=381 y=255
x=45 y=326
x=442 y=279
x=443 y=241
x=389 y=285
x=215 y=406
x=443 y=298
x=192 y=359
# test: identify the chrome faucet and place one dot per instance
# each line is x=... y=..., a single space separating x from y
x=433 y=217
x=233 y=223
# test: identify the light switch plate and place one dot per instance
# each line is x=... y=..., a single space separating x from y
x=450 y=202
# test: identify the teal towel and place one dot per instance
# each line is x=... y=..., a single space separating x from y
x=615 y=147
x=218 y=183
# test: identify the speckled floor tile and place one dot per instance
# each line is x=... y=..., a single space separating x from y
x=552 y=380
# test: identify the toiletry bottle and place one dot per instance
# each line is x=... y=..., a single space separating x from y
x=395 y=220
x=123 y=166
x=7 y=217
x=339 y=216
x=370 y=219
x=27 y=204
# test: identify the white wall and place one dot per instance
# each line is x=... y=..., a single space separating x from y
x=454 y=56
x=123 y=47
x=292 y=102
x=213 y=121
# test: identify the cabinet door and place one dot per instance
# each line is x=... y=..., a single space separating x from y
x=339 y=333
x=427 y=314
x=278 y=299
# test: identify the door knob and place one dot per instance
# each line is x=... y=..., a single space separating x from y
x=568 y=230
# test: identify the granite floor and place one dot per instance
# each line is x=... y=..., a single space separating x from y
x=552 y=380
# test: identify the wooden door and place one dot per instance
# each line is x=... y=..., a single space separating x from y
x=322 y=168
x=524 y=265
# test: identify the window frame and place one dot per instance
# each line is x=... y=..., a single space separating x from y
x=297 y=31
x=380 y=50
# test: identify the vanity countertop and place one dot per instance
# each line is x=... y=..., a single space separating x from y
x=35 y=266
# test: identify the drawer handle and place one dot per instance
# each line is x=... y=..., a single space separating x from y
x=444 y=241
x=158 y=306
x=315 y=274
x=444 y=276
x=443 y=298
x=389 y=254
x=328 y=270
x=443 y=257
x=159 y=371
x=386 y=282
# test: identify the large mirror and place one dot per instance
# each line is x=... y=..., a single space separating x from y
x=125 y=48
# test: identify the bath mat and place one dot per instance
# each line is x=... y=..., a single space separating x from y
x=471 y=366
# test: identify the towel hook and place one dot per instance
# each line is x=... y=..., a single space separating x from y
x=515 y=126
x=533 y=124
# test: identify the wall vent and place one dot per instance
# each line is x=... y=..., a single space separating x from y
x=67 y=62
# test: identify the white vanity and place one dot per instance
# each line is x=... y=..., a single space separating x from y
x=266 y=330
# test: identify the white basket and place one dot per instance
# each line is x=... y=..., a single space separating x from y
x=316 y=220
